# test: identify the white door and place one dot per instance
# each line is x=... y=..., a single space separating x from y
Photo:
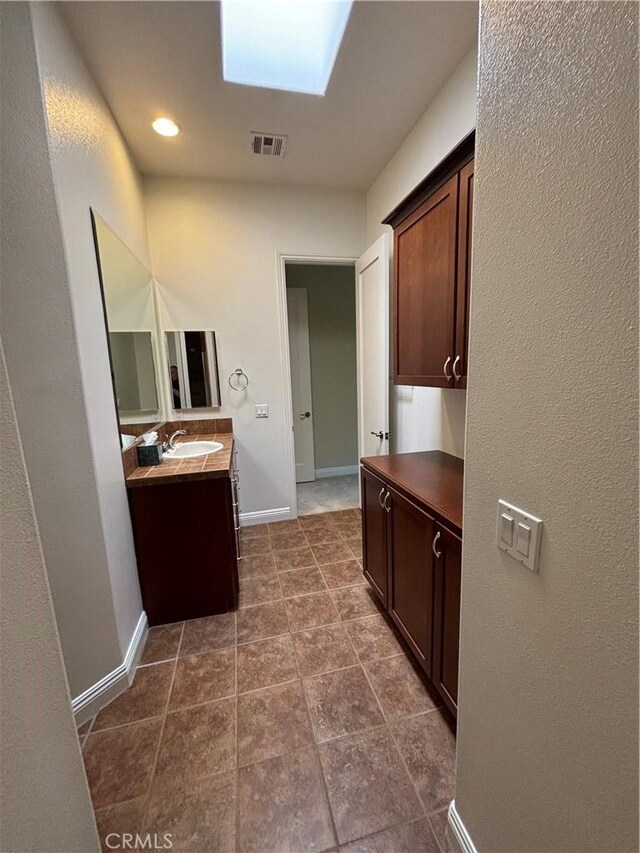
x=372 y=311
x=298 y=318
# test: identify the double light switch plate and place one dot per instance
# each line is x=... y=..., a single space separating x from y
x=518 y=533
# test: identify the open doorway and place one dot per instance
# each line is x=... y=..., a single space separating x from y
x=321 y=317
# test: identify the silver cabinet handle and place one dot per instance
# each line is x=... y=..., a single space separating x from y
x=455 y=372
x=385 y=504
x=433 y=546
x=380 y=497
x=447 y=376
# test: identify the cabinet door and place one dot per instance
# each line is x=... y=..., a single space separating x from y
x=448 y=571
x=411 y=532
x=465 y=232
x=374 y=533
x=425 y=290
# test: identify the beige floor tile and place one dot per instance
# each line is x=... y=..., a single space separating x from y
x=341 y=703
x=272 y=722
x=147 y=697
x=203 y=678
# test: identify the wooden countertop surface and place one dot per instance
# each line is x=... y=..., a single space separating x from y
x=430 y=477
x=212 y=465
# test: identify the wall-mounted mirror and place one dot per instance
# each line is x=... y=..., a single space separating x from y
x=193 y=369
x=128 y=298
x=134 y=374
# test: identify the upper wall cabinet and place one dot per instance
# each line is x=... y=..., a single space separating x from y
x=432 y=263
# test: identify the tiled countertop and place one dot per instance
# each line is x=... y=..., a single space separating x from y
x=212 y=465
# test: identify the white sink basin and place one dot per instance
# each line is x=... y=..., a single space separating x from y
x=189 y=449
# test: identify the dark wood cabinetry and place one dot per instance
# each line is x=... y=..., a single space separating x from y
x=412 y=539
x=432 y=262
x=374 y=523
x=446 y=615
x=411 y=531
x=187 y=546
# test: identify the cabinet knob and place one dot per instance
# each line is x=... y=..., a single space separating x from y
x=447 y=376
x=455 y=372
x=433 y=546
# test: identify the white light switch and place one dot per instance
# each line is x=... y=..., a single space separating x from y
x=506 y=528
x=524 y=539
x=261 y=410
x=518 y=533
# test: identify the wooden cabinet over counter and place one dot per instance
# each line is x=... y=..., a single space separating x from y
x=432 y=262
x=412 y=550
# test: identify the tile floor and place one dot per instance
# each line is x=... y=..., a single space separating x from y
x=328 y=494
x=296 y=724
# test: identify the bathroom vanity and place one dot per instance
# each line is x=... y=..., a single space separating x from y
x=412 y=553
x=184 y=514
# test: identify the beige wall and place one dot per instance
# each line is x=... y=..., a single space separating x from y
x=44 y=797
x=57 y=162
x=426 y=418
x=548 y=723
x=332 y=341
x=214 y=250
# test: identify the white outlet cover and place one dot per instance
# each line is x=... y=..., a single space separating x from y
x=525 y=527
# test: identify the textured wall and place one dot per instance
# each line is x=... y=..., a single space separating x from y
x=44 y=797
x=426 y=418
x=92 y=167
x=42 y=359
x=331 y=295
x=548 y=726
x=214 y=247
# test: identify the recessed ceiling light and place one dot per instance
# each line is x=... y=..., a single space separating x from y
x=165 y=126
x=282 y=44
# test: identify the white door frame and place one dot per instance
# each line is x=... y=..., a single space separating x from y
x=282 y=258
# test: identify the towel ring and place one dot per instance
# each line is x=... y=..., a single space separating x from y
x=241 y=384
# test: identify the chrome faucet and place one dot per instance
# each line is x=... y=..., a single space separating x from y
x=170 y=443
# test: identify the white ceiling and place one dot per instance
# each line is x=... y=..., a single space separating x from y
x=164 y=58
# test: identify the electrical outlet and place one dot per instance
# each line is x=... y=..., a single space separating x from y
x=261 y=410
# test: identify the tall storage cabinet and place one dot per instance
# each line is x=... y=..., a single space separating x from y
x=432 y=262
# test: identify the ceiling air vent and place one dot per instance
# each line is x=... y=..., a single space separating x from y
x=268 y=144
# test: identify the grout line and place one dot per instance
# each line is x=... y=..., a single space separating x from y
x=392 y=826
x=433 y=829
x=395 y=743
x=154 y=766
x=317 y=751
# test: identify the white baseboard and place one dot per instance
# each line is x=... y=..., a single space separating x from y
x=265 y=516
x=87 y=704
x=336 y=472
x=460 y=830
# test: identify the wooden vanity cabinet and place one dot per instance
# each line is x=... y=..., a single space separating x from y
x=432 y=230
x=412 y=548
x=187 y=547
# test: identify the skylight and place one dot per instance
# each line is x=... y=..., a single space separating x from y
x=282 y=44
